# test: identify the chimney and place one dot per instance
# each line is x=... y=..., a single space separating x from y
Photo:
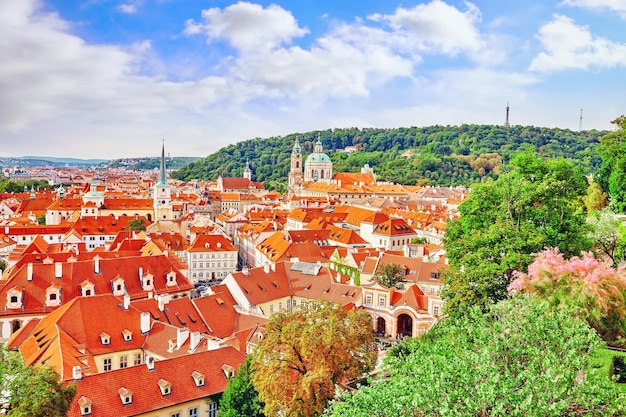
x=194 y=341
x=126 y=302
x=181 y=337
x=273 y=266
x=96 y=264
x=150 y=362
x=266 y=268
x=145 y=322
x=245 y=271
x=140 y=273
x=29 y=272
x=425 y=258
x=161 y=301
x=58 y=270
x=77 y=373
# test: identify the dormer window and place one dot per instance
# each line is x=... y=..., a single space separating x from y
x=53 y=296
x=147 y=282
x=126 y=395
x=166 y=387
x=198 y=378
x=118 y=286
x=170 y=278
x=14 y=297
x=229 y=371
x=434 y=275
x=87 y=288
x=85 y=406
x=105 y=339
x=128 y=335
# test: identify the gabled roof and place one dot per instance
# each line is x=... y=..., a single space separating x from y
x=211 y=243
x=394 y=227
x=102 y=389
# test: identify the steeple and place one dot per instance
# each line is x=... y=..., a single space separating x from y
x=162 y=172
x=32 y=192
x=506 y=121
x=247 y=173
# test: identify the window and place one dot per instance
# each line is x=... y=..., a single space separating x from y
x=193 y=412
x=175 y=415
x=271 y=308
x=368 y=299
x=436 y=310
x=53 y=296
x=123 y=361
x=213 y=410
x=107 y=364
x=13 y=299
x=381 y=300
x=137 y=359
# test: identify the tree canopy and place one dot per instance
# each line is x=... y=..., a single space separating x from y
x=535 y=203
x=389 y=275
x=31 y=391
x=240 y=399
x=612 y=173
x=305 y=353
x=521 y=358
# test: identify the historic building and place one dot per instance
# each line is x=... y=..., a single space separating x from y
x=318 y=166
x=163 y=194
x=295 y=172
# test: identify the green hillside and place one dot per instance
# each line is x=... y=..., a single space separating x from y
x=444 y=155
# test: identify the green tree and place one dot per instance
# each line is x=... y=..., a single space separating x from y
x=306 y=353
x=389 y=275
x=137 y=224
x=30 y=391
x=535 y=204
x=608 y=235
x=41 y=219
x=3 y=265
x=240 y=399
x=612 y=173
x=596 y=199
x=521 y=358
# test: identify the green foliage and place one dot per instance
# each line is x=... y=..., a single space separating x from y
x=137 y=224
x=521 y=358
x=32 y=392
x=535 y=203
x=41 y=219
x=612 y=173
x=3 y=265
x=608 y=235
x=10 y=186
x=596 y=199
x=389 y=275
x=305 y=353
x=447 y=155
x=240 y=399
x=149 y=163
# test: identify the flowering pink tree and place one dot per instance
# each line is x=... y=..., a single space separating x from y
x=593 y=287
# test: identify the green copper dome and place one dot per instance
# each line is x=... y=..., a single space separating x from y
x=318 y=157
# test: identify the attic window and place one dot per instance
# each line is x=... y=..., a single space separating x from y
x=126 y=395
x=434 y=275
x=105 y=338
x=166 y=387
x=85 y=406
x=128 y=335
x=228 y=370
x=198 y=378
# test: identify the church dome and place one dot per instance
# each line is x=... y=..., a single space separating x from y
x=318 y=157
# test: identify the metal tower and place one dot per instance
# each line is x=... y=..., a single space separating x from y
x=506 y=121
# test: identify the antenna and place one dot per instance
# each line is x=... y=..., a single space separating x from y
x=580 y=122
x=506 y=121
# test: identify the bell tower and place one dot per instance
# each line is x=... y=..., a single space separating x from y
x=295 y=171
x=162 y=193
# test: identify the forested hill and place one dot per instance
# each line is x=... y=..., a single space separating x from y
x=444 y=155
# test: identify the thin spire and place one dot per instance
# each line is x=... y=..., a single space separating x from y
x=162 y=172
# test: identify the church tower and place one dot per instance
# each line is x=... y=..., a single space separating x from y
x=247 y=173
x=162 y=193
x=295 y=171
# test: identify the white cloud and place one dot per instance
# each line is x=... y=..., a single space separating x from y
x=618 y=6
x=570 y=46
x=129 y=8
x=437 y=27
x=248 y=26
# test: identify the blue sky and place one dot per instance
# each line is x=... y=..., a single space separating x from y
x=112 y=78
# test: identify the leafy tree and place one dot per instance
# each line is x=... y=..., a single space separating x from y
x=137 y=224
x=306 y=353
x=3 y=265
x=389 y=275
x=32 y=392
x=535 y=204
x=593 y=287
x=521 y=358
x=596 y=199
x=608 y=235
x=41 y=219
x=612 y=173
x=240 y=399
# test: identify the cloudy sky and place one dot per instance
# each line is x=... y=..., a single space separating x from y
x=112 y=78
